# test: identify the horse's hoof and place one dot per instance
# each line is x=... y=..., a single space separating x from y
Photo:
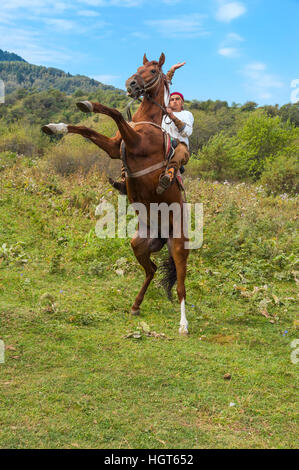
x=52 y=129
x=85 y=106
x=120 y=186
x=135 y=312
x=183 y=331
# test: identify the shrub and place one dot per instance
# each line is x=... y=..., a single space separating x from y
x=22 y=139
x=215 y=161
x=74 y=155
x=281 y=175
x=261 y=138
x=193 y=169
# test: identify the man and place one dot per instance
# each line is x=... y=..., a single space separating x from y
x=179 y=125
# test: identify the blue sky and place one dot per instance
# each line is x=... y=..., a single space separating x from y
x=235 y=50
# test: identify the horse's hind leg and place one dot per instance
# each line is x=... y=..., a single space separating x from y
x=129 y=135
x=143 y=248
x=180 y=255
x=109 y=145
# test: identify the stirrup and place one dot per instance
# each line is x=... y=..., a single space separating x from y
x=166 y=180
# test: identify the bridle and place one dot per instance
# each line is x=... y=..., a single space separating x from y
x=146 y=86
x=151 y=84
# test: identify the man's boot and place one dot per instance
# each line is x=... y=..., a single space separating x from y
x=166 y=180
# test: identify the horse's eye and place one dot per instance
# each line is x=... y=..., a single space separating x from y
x=153 y=71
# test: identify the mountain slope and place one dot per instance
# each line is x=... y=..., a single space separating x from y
x=20 y=74
x=10 y=56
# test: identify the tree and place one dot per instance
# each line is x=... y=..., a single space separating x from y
x=249 y=106
x=291 y=112
x=261 y=138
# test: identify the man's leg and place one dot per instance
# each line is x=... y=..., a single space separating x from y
x=181 y=157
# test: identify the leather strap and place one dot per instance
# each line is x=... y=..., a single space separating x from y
x=145 y=171
x=150 y=169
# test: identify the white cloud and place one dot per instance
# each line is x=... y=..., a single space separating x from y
x=171 y=2
x=6 y=18
x=58 y=23
x=139 y=35
x=235 y=37
x=35 y=6
x=87 y=13
x=259 y=82
x=230 y=11
x=107 y=79
x=228 y=46
x=183 y=26
x=230 y=52
x=27 y=45
x=251 y=69
x=113 y=3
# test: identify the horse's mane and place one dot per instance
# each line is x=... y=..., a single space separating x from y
x=166 y=83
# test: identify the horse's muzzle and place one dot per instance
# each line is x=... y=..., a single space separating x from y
x=135 y=86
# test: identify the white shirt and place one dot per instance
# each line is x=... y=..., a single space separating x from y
x=169 y=126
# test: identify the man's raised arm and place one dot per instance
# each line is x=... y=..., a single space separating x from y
x=172 y=70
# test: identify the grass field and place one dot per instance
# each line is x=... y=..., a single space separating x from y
x=74 y=377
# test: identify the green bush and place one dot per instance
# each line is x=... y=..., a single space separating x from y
x=215 y=159
x=22 y=139
x=281 y=175
x=261 y=138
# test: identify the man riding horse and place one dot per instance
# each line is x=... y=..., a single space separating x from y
x=178 y=123
x=140 y=144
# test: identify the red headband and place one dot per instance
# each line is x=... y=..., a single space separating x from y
x=177 y=93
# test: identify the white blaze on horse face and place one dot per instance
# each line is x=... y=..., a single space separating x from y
x=184 y=323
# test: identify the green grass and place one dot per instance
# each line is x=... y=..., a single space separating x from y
x=71 y=377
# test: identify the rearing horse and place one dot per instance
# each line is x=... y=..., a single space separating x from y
x=145 y=157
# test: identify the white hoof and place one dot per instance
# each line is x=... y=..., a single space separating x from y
x=52 y=128
x=183 y=330
x=184 y=322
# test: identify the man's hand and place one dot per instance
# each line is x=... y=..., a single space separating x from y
x=170 y=113
x=177 y=66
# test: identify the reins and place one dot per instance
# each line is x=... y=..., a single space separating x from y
x=147 y=86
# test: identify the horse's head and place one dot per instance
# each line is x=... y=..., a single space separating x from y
x=147 y=77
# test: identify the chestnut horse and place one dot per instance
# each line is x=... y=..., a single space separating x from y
x=145 y=158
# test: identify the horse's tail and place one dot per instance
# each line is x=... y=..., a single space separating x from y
x=170 y=276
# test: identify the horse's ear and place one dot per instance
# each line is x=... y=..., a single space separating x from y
x=162 y=59
x=145 y=61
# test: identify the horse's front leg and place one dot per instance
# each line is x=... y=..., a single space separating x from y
x=128 y=134
x=109 y=145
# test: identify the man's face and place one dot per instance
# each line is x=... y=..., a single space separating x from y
x=176 y=103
